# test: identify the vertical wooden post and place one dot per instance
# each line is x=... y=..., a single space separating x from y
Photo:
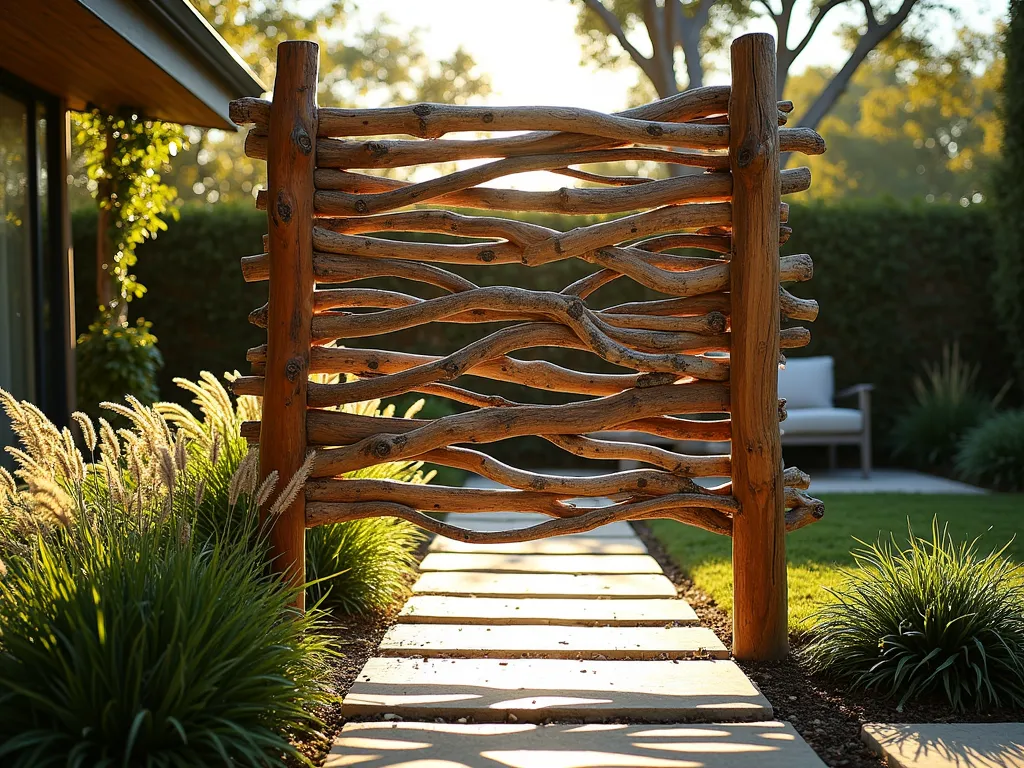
x=290 y=163
x=759 y=548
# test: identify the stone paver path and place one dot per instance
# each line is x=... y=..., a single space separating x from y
x=948 y=745
x=521 y=745
x=553 y=654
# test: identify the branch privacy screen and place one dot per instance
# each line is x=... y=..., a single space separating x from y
x=710 y=345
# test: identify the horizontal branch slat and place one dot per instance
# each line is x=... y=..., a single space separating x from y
x=491 y=424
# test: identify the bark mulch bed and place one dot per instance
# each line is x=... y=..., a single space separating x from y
x=825 y=712
x=359 y=637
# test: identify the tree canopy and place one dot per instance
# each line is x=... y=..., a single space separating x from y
x=915 y=123
x=681 y=34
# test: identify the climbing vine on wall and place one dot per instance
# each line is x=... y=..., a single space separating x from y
x=126 y=158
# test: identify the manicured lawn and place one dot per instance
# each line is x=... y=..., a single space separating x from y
x=817 y=552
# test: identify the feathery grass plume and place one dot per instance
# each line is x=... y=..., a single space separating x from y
x=88 y=430
x=95 y=557
x=934 y=618
x=291 y=490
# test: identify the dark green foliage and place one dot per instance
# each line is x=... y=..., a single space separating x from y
x=946 y=407
x=1008 y=275
x=114 y=360
x=895 y=282
x=932 y=619
x=365 y=564
x=197 y=299
x=146 y=650
x=992 y=454
x=135 y=631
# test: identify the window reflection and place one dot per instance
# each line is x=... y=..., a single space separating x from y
x=17 y=363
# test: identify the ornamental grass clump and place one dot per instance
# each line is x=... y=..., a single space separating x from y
x=356 y=567
x=946 y=406
x=364 y=566
x=992 y=454
x=132 y=630
x=934 y=618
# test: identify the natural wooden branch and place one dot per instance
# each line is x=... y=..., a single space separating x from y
x=795 y=308
x=635 y=482
x=538 y=374
x=512 y=338
x=431 y=121
x=685 y=508
x=506 y=300
x=336 y=195
x=804 y=510
x=439 y=498
x=491 y=424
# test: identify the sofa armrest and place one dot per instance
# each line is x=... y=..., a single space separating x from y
x=863 y=393
x=856 y=389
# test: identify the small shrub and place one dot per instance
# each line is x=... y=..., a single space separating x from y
x=113 y=360
x=128 y=636
x=946 y=406
x=364 y=566
x=934 y=618
x=992 y=454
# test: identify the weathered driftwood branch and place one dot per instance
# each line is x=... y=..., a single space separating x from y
x=693 y=104
x=681 y=107
x=431 y=121
x=334 y=197
x=439 y=498
x=491 y=424
x=635 y=482
x=804 y=510
x=795 y=308
x=537 y=374
x=685 y=508
x=597 y=178
x=512 y=338
x=509 y=301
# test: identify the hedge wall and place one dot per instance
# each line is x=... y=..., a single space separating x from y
x=895 y=282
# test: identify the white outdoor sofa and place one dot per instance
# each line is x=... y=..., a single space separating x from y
x=808 y=386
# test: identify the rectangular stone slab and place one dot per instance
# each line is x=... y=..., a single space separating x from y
x=480 y=640
x=543 y=584
x=522 y=745
x=466 y=561
x=449 y=609
x=560 y=545
x=534 y=690
x=615 y=530
x=947 y=745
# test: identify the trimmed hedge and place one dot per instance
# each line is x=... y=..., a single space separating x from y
x=1008 y=276
x=895 y=282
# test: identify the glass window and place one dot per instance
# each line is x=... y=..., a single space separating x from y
x=17 y=358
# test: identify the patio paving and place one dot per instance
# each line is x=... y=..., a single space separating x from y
x=948 y=745
x=503 y=637
x=590 y=564
x=453 y=609
x=534 y=690
x=522 y=745
x=561 y=545
x=551 y=642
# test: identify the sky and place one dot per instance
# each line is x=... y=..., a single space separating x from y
x=532 y=54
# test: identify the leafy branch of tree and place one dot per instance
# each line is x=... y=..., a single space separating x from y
x=681 y=33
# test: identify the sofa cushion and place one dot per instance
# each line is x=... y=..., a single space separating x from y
x=822 y=421
x=807 y=382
